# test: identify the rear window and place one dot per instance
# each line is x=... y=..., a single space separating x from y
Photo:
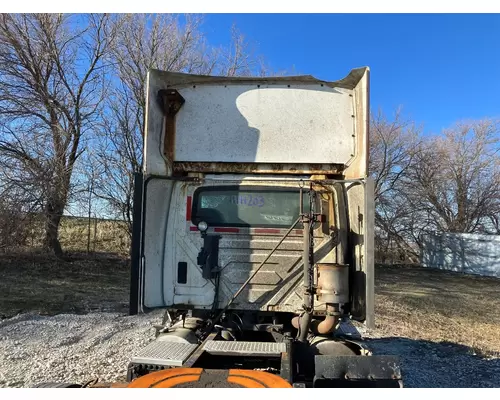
x=247 y=206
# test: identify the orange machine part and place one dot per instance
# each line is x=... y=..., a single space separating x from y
x=167 y=378
x=200 y=378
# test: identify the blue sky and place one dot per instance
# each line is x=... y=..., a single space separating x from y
x=440 y=67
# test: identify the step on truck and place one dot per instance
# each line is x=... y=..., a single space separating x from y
x=254 y=231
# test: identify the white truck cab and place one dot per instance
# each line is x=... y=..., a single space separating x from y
x=254 y=225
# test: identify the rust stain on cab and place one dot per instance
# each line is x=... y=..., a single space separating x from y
x=241 y=168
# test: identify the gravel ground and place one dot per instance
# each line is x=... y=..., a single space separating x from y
x=426 y=364
x=70 y=348
x=79 y=348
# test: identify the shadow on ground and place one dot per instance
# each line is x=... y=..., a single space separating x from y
x=426 y=364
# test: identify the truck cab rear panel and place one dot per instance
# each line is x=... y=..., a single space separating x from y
x=173 y=277
x=267 y=134
x=178 y=277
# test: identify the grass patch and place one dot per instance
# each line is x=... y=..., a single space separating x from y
x=36 y=282
x=439 y=306
x=78 y=234
x=105 y=235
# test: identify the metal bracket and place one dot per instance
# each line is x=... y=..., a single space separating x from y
x=358 y=368
x=208 y=257
x=172 y=102
x=287 y=362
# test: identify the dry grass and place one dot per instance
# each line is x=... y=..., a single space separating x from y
x=439 y=306
x=36 y=282
x=105 y=235
x=33 y=281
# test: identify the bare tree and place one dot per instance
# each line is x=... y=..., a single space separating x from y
x=393 y=146
x=160 y=42
x=52 y=84
x=455 y=183
x=239 y=59
x=16 y=220
x=424 y=184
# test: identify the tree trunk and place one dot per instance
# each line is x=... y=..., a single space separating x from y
x=52 y=216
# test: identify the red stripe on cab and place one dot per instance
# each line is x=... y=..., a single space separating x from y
x=267 y=230
x=189 y=205
x=227 y=230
